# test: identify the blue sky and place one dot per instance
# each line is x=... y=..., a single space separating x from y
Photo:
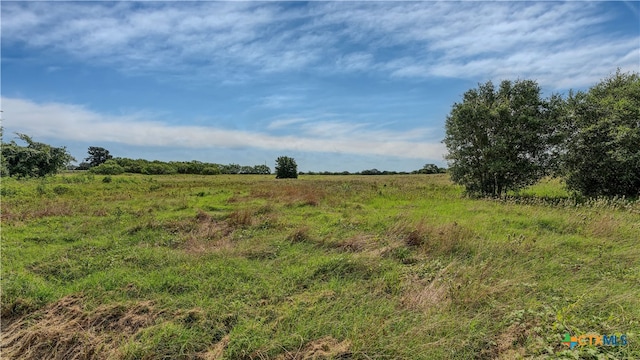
x=337 y=85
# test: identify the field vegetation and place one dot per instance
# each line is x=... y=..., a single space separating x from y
x=361 y=267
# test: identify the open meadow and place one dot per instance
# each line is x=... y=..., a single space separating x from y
x=359 y=267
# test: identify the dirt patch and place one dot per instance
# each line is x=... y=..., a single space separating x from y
x=324 y=348
x=66 y=330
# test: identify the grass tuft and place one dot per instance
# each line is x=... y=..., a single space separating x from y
x=301 y=234
x=240 y=218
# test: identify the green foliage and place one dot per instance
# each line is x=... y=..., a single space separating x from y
x=260 y=169
x=286 y=168
x=210 y=170
x=603 y=140
x=158 y=168
x=371 y=172
x=501 y=140
x=33 y=160
x=109 y=167
x=430 y=169
x=231 y=169
x=141 y=166
x=97 y=156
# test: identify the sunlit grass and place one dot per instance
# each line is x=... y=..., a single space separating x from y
x=359 y=266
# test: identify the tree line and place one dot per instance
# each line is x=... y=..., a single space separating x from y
x=37 y=159
x=499 y=139
x=506 y=138
x=119 y=165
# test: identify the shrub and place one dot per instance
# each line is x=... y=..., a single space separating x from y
x=109 y=167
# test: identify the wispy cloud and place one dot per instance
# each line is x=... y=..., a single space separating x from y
x=557 y=43
x=282 y=123
x=76 y=123
x=279 y=101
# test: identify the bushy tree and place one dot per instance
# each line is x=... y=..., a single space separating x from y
x=131 y=165
x=430 y=169
x=286 y=168
x=603 y=142
x=500 y=139
x=109 y=167
x=97 y=156
x=158 y=168
x=231 y=169
x=33 y=160
x=210 y=170
x=262 y=169
x=371 y=172
x=83 y=166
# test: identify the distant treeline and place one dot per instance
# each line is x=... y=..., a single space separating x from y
x=118 y=165
x=427 y=169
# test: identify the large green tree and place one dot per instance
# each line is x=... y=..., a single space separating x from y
x=97 y=155
x=286 y=168
x=603 y=141
x=501 y=139
x=33 y=160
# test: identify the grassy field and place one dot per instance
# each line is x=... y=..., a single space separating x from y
x=249 y=267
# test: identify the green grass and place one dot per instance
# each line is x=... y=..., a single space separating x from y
x=364 y=267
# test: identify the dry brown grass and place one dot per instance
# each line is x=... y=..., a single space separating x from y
x=324 y=348
x=605 y=226
x=291 y=194
x=206 y=235
x=240 y=218
x=66 y=330
x=45 y=208
x=427 y=294
x=438 y=239
x=356 y=243
x=451 y=237
x=424 y=297
x=216 y=352
x=508 y=345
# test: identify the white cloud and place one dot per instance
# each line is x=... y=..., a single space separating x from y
x=75 y=123
x=239 y=41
